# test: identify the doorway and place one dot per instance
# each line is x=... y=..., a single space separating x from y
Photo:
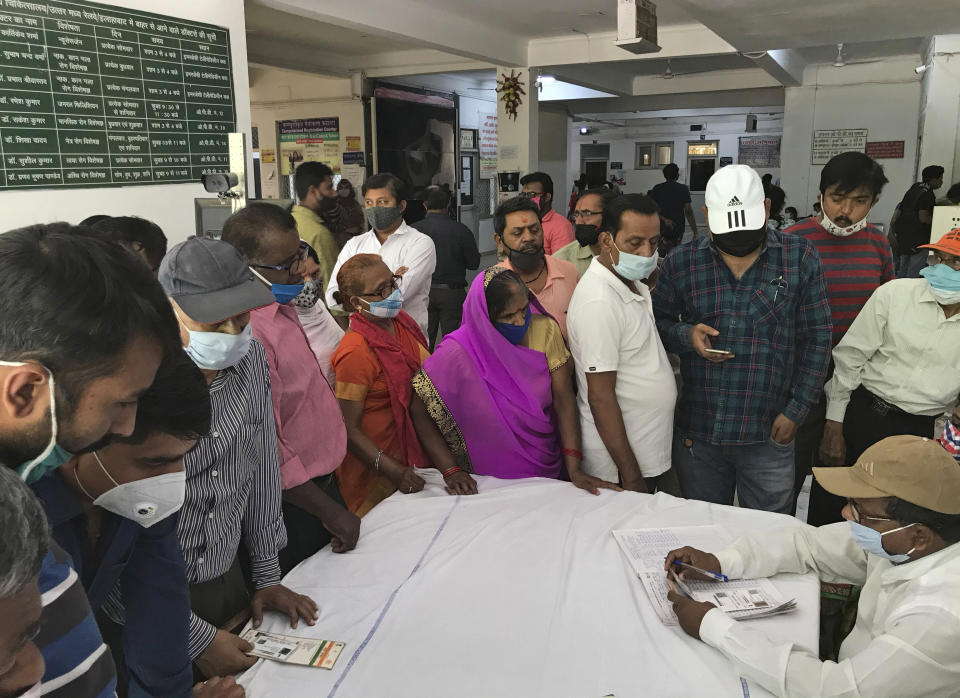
x=596 y=171
x=701 y=163
x=594 y=162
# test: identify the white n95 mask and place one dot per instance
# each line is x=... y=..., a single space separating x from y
x=146 y=501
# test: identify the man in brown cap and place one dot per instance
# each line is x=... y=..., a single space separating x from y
x=900 y=542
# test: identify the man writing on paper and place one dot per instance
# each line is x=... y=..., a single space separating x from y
x=900 y=542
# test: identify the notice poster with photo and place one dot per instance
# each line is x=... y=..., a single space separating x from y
x=309 y=140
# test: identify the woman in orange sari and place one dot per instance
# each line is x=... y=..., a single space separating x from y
x=374 y=365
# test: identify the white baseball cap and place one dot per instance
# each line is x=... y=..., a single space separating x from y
x=735 y=200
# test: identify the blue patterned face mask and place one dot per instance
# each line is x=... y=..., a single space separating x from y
x=54 y=455
x=389 y=307
x=514 y=333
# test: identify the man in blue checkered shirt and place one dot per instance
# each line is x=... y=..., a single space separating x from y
x=746 y=310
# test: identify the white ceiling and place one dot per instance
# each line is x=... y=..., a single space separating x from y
x=267 y=23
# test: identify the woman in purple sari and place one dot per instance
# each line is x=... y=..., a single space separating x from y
x=496 y=398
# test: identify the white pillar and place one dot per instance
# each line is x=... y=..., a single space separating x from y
x=940 y=131
x=517 y=139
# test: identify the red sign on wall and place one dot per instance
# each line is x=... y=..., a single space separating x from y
x=885 y=150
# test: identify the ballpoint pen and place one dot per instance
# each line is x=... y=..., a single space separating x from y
x=707 y=573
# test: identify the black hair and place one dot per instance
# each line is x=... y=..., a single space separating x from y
x=94 y=219
x=311 y=253
x=385 y=180
x=852 y=170
x=788 y=209
x=178 y=403
x=947 y=526
x=244 y=228
x=953 y=193
x=638 y=203
x=310 y=174
x=778 y=197
x=73 y=303
x=606 y=193
x=436 y=198
x=133 y=229
x=500 y=290
x=517 y=203
x=542 y=177
x=931 y=172
x=671 y=172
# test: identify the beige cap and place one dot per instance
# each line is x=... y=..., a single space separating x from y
x=913 y=468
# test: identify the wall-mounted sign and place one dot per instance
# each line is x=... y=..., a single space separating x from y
x=828 y=143
x=268 y=155
x=309 y=140
x=353 y=158
x=759 y=151
x=353 y=143
x=885 y=150
x=616 y=165
x=468 y=139
x=96 y=95
x=488 y=146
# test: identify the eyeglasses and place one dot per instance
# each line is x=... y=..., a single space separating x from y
x=951 y=261
x=857 y=515
x=292 y=265
x=586 y=214
x=387 y=288
x=530 y=194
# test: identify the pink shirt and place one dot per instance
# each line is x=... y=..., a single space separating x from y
x=311 y=435
x=562 y=277
x=557 y=231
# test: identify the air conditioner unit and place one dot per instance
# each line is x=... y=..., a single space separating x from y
x=637 y=26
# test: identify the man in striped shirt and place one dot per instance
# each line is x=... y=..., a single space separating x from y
x=233 y=475
x=856 y=259
x=83 y=328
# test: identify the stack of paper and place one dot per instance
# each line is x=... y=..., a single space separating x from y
x=646 y=550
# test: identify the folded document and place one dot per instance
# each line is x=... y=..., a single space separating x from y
x=742 y=599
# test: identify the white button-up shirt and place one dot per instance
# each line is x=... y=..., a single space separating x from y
x=906 y=638
x=902 y=348
x=406 y=247
x=611 y=328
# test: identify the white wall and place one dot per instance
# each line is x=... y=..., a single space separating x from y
x=277 y=95
x=725 y=127
x=883 y=97
x=168 y=205
x=940 y=108
x=554 y=126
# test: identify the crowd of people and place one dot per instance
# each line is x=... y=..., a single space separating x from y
x=182 y=427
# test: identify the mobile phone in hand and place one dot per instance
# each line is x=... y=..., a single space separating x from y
x=719 y=352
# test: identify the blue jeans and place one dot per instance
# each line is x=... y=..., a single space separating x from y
x=761 y=474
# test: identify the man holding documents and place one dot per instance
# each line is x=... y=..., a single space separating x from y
x=900 y=541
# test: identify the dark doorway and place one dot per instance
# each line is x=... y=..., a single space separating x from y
x=596 y=171
x=701 y=169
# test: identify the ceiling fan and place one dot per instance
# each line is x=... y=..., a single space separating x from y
x=841 y=60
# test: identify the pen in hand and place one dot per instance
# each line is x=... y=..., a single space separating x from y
x=707 y=573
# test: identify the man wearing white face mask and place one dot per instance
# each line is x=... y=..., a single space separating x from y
x=627 y=391
x=901 y=542
x=233 y=476
x=856 y=259
x=896 y=367
x=130 y=492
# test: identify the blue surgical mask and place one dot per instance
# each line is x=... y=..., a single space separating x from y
x=389 y=307
x=944 y=283
x=514 y=333
x=54 y=455
x=872 y=541
x=634 y=267
x=215 y=351
x=284 y=293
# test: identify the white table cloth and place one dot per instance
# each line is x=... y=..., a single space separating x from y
x=519 y=591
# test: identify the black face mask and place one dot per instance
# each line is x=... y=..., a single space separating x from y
x=525 y=261
x=739 y=243
x=587 y=234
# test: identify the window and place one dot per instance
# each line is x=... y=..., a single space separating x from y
x=699 y=148
x=653 y=155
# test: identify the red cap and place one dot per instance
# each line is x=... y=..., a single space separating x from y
x=949 y=243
